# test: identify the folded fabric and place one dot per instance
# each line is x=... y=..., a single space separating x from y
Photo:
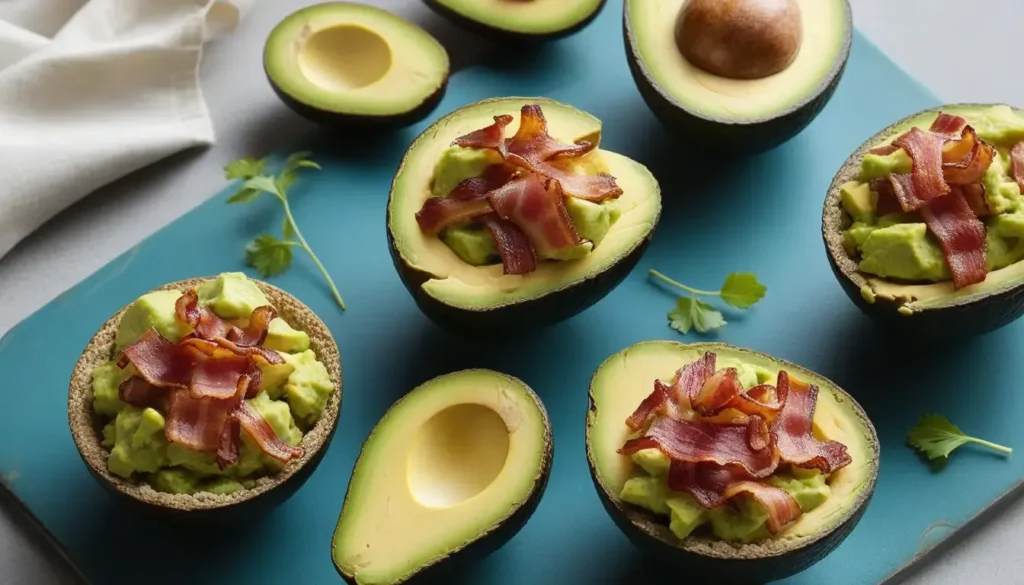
x=91 y=90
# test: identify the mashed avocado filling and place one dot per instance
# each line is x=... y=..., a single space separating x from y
x=742 y=519
x=898 y=245
x=474 y=244
x=292 y=396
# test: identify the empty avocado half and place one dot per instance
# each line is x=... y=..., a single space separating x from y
x=739 y=76
x=345 y=63
x=520 y=19
x=481 y=296
x=891 y=264
x=453 y=470
x=727 y=544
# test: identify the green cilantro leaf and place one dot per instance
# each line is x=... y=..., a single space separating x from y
x=263 y=183
x=245 y=195
x=742 y=290
x=705 y=317
x=681 y=318
x=935 y=436
x=244 y=168
x=269 y=255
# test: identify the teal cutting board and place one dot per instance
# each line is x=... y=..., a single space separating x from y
x=761 y=214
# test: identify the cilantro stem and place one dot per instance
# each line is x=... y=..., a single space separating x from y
x=305 y=246
x=676 y=284
x=990 y=445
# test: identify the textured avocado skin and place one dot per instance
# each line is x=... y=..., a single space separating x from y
x=650 y=533
x=488 y=541
x=329 y=118
x=722 y=134
x=506 y=35
x=965 y=320
x=521 y=317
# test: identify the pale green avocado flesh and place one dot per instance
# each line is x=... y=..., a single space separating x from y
x=898 y=245
x=292 y=397
x=653 y=41
x=461 y=266
x=535 y=17
x=353 y=59
x=475 y=244
x=447 y=465
x=625 y=379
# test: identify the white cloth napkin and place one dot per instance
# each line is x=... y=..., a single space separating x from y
x=91 y=90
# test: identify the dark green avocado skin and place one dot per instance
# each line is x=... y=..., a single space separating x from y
x=506 y=35
x=487 y=543
x=522 y=317
x=252 y=510
x=724 y=135
x=338 y=119
x=705 y=569
x=953 y=322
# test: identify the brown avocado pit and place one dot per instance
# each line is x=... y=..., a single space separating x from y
x=740 y=39
x=926 y=309
x=243 y=504
x=626 y=378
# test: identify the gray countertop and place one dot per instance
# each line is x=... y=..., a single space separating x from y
x=963 y=51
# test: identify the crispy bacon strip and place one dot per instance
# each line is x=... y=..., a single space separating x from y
x=649 y=406
x=438 y=213
x=267 y=355
x=492 y=137
x=718 y=392
x=962 y=169
x=533 y=143
x=218 y=378
x=255 y=333
x=263 y=434
x=538 y=209
x=705 y=442
x=884 y=150
x=761 y=400
x=793 y=430
x=517 y=255
x=595 y=188
x=903 y=188
x=158 y=361
x=974 y=194
x=197 y=423
x=713 y=486
x=206 y=323
x=493 y=177
x=758 y=435
x=887 y=201
x=782 y=508
x=139 y=393
x=962 y=237
x=925 y=149
x=691 y=378
x=1017 y=164
x=948 y=124
x=230 y=444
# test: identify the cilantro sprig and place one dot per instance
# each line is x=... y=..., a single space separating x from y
x=935 y=436
x=268 y=254
x=740 y=290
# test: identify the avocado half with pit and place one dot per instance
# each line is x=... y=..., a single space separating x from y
x=244 y=504
x=533 y=20
x=353 y=64
x=741 y=76
x=461 y=296
x=921 y=308
x=450 y=473
x=625 y=379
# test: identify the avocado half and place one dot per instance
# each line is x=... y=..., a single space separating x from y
x=452 y=471
x=245 y=504
x=741 y=116
x=920 y=310
x=534 y=20
x=353 y=64
x=626 y=378
x=460 y=296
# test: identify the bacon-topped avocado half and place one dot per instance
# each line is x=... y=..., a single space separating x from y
x=205 y=394
x=507 y=214
x=925 y=222
x=731 y=464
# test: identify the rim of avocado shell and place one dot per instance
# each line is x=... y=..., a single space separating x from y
x=657 y=527
x=835 y=220
x=86 y=426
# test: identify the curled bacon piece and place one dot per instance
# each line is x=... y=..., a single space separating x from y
x=538 y=209
x=694 y=442
x=968 y=159
x=158 y=361
x=206 y=323
x=718 y=392
x=792 y=429
x=1017 y=164
x=948 y=124
x=962 y=237
x=238 y=341
x=517 y=255
x=762 y=400
x=533 y=143
x=255 y=333
x=925 y=149
x=782 y=508
x=230 y=445
x=974 y=194
x=137 y=392
x=466 y=201
x=887 y=201
x=218 y=378
x=903 y=189
x=263 y=434
x=492 y=137
x=197 y=423
x=649 y=406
